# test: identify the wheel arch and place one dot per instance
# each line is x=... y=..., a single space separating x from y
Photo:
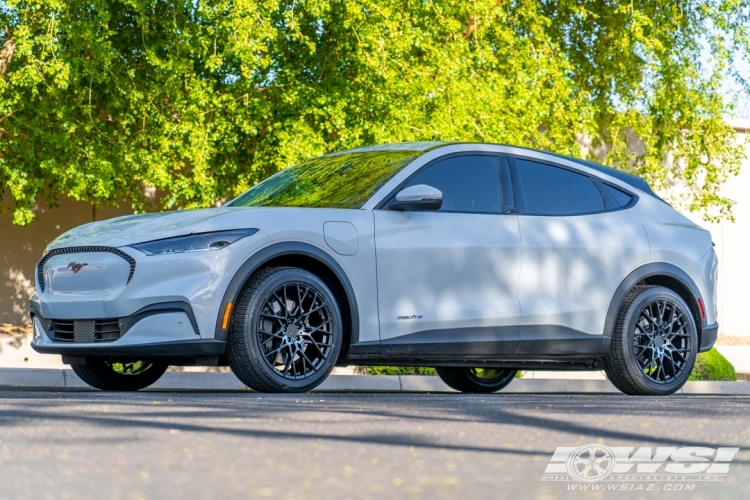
x=309 y=258
x=656 y=273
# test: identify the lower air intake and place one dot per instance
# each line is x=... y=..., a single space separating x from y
x=86 y=331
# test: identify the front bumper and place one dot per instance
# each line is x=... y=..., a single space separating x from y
x=164 y=330
x=181 y=352
x=165 y=305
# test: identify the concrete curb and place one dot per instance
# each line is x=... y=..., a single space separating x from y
x=212 y=381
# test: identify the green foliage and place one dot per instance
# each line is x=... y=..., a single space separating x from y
x=395 y=370
x=711 y=365
x=106 y=99
x=403 y=370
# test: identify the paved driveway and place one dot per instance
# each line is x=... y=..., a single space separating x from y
x=188 y=445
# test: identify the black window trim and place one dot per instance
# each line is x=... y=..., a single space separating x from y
x=633 y=196
x=610 y=205
x=383 y=205
x=506 y=180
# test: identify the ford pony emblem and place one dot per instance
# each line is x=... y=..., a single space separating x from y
x=75 y=266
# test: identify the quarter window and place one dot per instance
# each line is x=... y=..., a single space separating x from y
x=468 y=183
x=549 y=190
x=621 y=197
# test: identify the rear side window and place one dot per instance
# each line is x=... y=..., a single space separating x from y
x=468 y=183
x=549 y=190
x=621 y=197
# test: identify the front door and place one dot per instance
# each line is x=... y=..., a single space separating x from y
x=448 y=279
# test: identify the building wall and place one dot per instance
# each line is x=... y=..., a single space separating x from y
x=22 y=247
x=732 y=241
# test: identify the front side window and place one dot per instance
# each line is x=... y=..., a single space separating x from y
x=345 y=180
x=549 y=190
x=468 y=183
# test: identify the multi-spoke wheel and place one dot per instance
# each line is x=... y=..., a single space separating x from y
x=482 y=380
x=286 y=331
x=118 y=375
x=654 y=343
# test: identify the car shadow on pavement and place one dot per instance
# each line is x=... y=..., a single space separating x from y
x=260 y=413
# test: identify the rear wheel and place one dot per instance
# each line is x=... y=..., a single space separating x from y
x=654 y=343
x=113 y=375
x=478 y=380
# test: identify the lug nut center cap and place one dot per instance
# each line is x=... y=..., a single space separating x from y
x=292 y=331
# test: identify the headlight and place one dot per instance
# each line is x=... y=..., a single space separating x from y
x=193 y=242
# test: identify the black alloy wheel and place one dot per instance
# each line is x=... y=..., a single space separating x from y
x=478 y=380
x=295 y=330
x=119 y=375
x=654 y=343
x=286 y=332
x=661 y=342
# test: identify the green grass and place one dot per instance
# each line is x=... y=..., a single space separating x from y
x=395 y=370
x=402 y=370
x=711 y=365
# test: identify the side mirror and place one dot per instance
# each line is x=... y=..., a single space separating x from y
x=417 y=198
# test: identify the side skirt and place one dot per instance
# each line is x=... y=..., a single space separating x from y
x=543 y=347
x=508 y=364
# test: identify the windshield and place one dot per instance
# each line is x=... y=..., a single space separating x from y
x=345 y=180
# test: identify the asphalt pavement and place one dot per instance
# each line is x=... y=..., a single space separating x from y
x=161 y=445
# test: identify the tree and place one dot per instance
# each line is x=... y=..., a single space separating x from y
x=106 y=99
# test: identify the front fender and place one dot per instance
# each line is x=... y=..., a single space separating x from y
x=258 y=259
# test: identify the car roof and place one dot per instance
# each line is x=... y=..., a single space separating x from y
x=424 y=146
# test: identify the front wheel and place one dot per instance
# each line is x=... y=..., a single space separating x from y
x=478 y=380
x=113 y=375
x=286 y=331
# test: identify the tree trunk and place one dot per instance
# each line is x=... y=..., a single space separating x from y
x=6 y=53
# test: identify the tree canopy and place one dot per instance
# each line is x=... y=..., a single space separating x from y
x=107 y=100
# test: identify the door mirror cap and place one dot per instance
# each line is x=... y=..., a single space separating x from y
x=417 y=198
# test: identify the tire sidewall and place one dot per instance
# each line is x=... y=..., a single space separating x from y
x=461 y=379
x=254 y=353
x=492 y=385
x=631 y=317
x=100 y=374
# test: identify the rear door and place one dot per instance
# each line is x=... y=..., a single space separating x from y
x=579 y=243
x=448 y=279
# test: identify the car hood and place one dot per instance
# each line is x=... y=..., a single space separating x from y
x=132 y=229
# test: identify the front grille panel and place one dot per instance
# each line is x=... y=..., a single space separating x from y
x=86 y=331
x=60 y=251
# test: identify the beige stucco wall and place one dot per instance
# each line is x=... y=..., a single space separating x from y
x=732 y=241
x=22 y=247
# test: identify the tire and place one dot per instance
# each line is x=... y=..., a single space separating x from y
x=477 y=380
x=277 y=345
x=654 y=343
x=112 y=375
